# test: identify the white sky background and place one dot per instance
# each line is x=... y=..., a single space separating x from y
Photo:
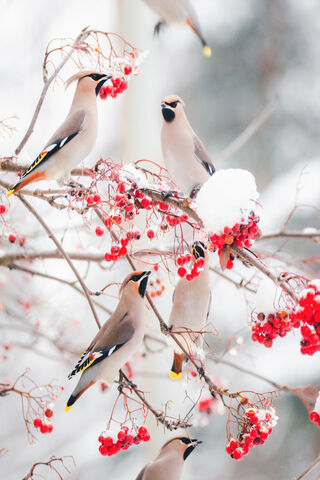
x=129 y=129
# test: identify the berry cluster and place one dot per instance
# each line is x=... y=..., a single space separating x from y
x=156 y=287
x=119 y=85
x=93 y=199
x=12 y=239
x=307 y=313
x=112 y=443
x=241 y=234
x=266 y=328
x=256 y=425
x=195 y=269
x=44 y=427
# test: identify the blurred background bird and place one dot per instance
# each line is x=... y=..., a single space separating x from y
x=178 y=12
x=184 y=155
x=118 y=339
x=74 y=139
x=191 y=307
x=169 y=463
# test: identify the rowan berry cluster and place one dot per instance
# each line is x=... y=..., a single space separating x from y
x=112 y=442
x=241 y=234
x=307 y=314
x=193 y=271
x=45 y=426
x=119 y=85
x=266 y=328
x=256 y=426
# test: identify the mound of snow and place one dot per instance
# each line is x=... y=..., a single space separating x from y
x=226 y=198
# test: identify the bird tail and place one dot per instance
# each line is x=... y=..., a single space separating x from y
x=33 y=177
x=176 y=368
x=78 y=391
x=206 y=49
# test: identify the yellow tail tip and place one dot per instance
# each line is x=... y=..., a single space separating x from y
x=66 y=408
x=10 y=193
x=174 y=375
x=207 y=51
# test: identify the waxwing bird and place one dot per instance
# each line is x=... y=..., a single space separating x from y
x=118 y=339
x=190 y=308
x=74 y=139
x=178 y=12
x=169 y=463
x=184 y=155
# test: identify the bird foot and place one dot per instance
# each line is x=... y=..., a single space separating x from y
x=76 y=189
x=165 y=329
x=186 y=202
x=158 y=27
x=125 y=384
x=168 y=194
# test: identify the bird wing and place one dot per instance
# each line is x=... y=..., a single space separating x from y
x=109 y=339
x=202 y=156
x=71 y=127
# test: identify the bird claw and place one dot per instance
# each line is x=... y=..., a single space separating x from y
x=186 y=202
x=126 y=384
x=165 y=329
x=158 y=27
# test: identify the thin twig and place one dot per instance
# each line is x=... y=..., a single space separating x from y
x=80 y=38
x=64 y=254
x=248 y=132
x=308 y=470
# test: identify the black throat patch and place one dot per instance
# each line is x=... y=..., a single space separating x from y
x=168 y=114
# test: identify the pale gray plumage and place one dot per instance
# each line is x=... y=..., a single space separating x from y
x=184 y=155
x=118 y=339
x=74 y=139
x=178 y=12
x=168 y=465
x=190 y=309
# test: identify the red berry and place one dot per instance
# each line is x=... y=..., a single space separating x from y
x=89 y=200
x=142 y=431
x=96 y=198
x=103 y=450
x=12 y=238
x=181 y=272
x=22 y=241
x=102 y=93
x=237 y=454
x=121 y=436
x=122 y=251
x=99 y=231
x=108 y=441
x=43 y=428
x=48 y=413
x=314 y=417
x=127 y=69
x=50 y=428
x=37 y=422
x=146 y=437
x=124 y=242
x=150 y=234
x=2 y=209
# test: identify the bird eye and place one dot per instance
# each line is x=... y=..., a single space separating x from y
x=173 y=104
x=95 y=76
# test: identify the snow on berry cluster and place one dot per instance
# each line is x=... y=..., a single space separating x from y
x=315 y=413
x=307 y=313
x=226 y=203
x=257 y=425
x=267 y=327
x=112 y=442
x=44 y=425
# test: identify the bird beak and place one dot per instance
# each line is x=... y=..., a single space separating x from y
x=190 y=447
x=143 y=283
x=195 y=443
x=102 y=82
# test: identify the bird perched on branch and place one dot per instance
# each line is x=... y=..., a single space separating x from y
x=169 y=463
x=190 y=308
x=118 y=339
x=180 y=12
x=184 y=155
x=74 y=139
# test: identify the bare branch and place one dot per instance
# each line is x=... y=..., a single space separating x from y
x=308 y=470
